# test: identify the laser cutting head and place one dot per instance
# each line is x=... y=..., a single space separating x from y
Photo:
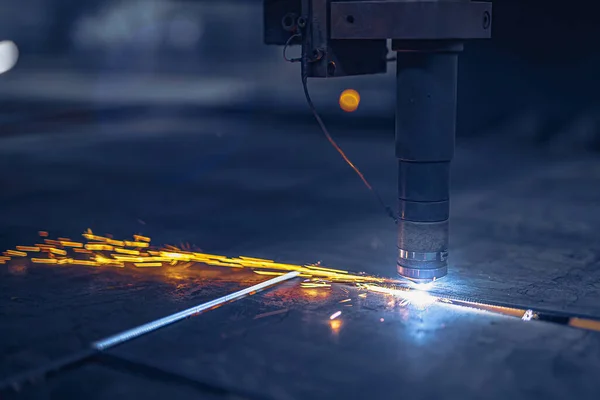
x=345 y=38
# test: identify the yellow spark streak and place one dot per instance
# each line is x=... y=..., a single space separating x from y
x=15 y=253
x=140 y=238
x=104 y=247
x=136 y=244
x=106 y=252
x=90 y=236
x=44 y=260
x=57 y=251
x=101 y=251
x=84 y=251
x=144 y=265
x=28 y=248
x=127 y=251
x=70 y=244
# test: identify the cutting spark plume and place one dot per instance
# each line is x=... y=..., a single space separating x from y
x=104 y=251
x=418 y=298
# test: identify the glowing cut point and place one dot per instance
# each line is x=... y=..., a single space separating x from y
x=417 y=298
x=9 y=54
x=527 y=316
x=421 y=286
x=349 y=100
x=420 y=299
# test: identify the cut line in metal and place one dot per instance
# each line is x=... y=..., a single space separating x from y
x=168 y=320
x=16 y=382
x=578 y=321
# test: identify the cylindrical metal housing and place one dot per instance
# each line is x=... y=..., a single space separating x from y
x=426 y=79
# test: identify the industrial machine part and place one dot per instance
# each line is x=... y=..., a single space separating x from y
x=343 y=38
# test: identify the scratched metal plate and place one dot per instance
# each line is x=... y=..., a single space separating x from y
x=50 y=312
x=523 y=231
x=101 y=382
x=285 y=346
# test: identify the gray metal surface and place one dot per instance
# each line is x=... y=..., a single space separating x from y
x=95 y=381
x=48 y=313
x=376 y=347
x=524 y=230
x=149 y=327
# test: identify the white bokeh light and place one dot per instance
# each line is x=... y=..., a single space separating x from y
x=9 y=54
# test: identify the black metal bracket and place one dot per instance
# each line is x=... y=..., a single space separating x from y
x=350 y=37
x=411 y=20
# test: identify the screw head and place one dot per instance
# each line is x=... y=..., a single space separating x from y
x=487 y=20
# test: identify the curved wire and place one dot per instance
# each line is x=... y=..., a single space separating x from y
x=304 y=71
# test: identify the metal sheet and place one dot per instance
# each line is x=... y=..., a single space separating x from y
x=376 y=346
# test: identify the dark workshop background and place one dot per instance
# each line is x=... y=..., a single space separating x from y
x=539 y=70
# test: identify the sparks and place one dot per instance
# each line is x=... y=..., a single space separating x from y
x=414 y=297
x=105 y=251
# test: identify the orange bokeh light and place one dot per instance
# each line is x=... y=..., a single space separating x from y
x=349 y=100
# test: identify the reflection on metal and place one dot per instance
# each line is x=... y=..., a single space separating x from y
x=527 y=314
x=423 y=299
x=160 y=323
x=335 y=326
x=272 y=313
x=104 y=251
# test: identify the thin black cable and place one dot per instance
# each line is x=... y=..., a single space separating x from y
x=287 y=44
x=304 y=71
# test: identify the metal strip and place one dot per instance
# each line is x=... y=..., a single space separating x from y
x=160 y=323
x=16 y=382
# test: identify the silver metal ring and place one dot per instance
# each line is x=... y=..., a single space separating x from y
x=416 y=256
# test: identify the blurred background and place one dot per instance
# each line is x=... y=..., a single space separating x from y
x=538 y=74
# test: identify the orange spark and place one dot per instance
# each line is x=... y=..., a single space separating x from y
x=28 y=248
